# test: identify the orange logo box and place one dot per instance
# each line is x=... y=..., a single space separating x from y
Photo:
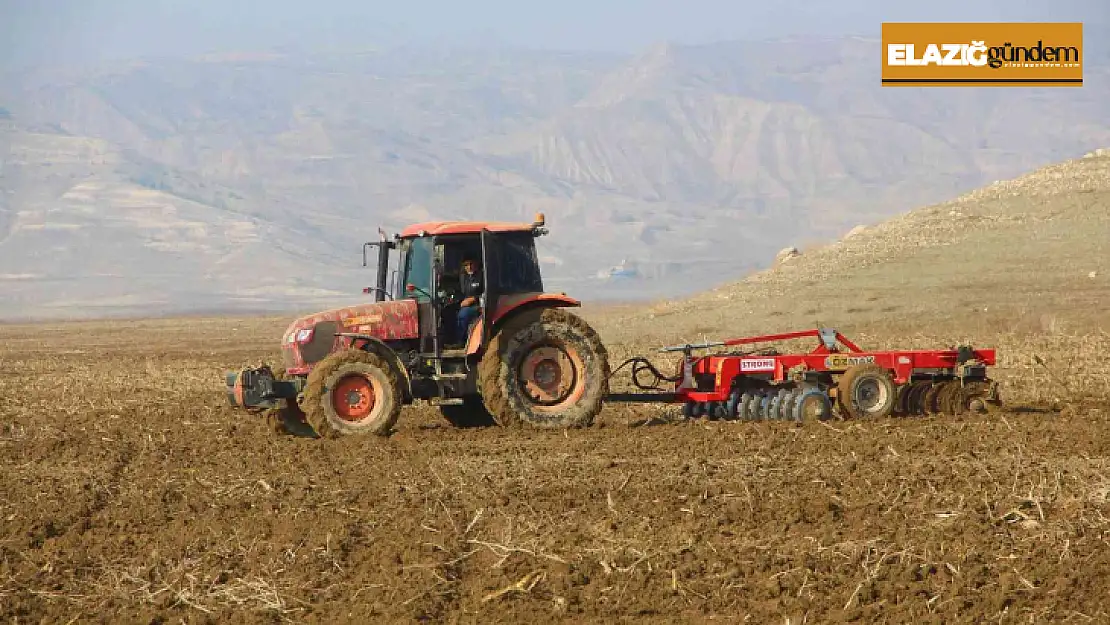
x=982 y=55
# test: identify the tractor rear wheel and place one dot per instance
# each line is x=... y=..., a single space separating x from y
x=866 y=390
x=545 y=367
x=352 y=392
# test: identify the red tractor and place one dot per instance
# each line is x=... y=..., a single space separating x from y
x=526 y=358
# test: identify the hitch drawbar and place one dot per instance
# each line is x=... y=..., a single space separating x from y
x=258 y=388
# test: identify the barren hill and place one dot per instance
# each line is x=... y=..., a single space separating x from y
x=251 y=181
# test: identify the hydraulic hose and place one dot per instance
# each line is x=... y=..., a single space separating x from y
x=641 y=364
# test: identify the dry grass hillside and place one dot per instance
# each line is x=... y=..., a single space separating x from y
x=1022 y=265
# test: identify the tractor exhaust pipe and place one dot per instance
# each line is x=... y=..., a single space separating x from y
x=383 y=266
x=384 y=245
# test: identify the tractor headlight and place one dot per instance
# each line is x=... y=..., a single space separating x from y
x=303 y=335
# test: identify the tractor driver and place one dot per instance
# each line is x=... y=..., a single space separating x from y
x=470 y=288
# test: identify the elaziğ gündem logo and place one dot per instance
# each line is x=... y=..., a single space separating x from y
x=990 y=54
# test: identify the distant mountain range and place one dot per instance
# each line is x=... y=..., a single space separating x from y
x=250 y=181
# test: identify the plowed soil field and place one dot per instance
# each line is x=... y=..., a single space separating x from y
x=129 y=493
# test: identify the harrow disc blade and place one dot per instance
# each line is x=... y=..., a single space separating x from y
x=786 y=406
x=915 y=398
x=751 y=407
x=732 y=406
x=948 y=399
x=978 y=396
x=930 y=399
x=743 y=407
x=764 y=407
x=711 y=411
x=773 y=408
x=902 y=393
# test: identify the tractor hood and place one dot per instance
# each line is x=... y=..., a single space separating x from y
x=310 y=338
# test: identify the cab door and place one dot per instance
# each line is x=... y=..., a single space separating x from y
x=419 y=271
x=491 y=292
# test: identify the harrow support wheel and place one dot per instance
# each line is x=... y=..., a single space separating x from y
x=811 y=405
x=546 y=367
x=866 y=390
x=352 y=392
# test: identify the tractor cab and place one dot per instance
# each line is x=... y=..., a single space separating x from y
x=429 y=265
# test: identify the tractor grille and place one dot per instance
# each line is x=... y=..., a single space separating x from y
x=323 y=339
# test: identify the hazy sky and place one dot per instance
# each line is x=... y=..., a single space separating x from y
x=37 y=31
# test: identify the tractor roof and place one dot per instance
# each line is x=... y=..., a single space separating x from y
x=469 y=227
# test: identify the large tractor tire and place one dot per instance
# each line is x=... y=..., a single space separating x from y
x=547 y=368
x=866 y=390
x=352 y=392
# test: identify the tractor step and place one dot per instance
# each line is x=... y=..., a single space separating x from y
x=448 y=401
x=446 y=353
x=449 y=376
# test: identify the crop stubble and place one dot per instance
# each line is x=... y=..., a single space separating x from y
x=131 y=493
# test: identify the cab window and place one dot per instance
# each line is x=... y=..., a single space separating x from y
x=418 y=268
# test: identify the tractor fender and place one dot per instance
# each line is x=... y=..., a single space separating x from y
x=378 y=347
x=510 y=306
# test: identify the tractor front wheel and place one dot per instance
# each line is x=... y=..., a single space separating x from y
x=547 y=368
x=352 y=392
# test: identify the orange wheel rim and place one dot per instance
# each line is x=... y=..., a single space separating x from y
x=353 y=398
x=549 y=376
x=237 y=390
